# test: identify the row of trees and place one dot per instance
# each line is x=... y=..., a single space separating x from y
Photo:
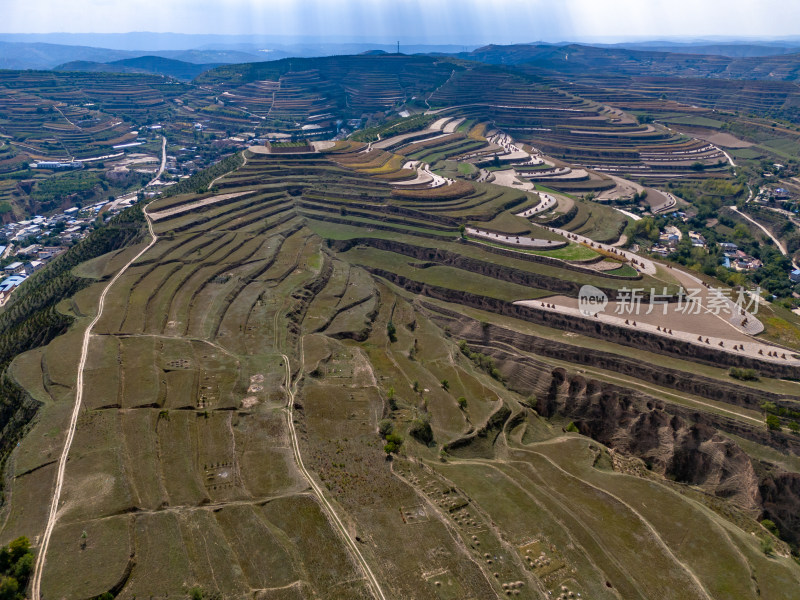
x=16 y=566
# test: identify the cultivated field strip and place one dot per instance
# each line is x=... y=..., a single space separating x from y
x=236 y=378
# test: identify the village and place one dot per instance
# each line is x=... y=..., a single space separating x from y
x=27 y=246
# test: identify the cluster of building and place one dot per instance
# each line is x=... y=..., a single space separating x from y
x=733 y=257
x=29 y=245
x=698 y=240
x=737 y=260
x=773 y=196
x=669 y=238
x=31 y=259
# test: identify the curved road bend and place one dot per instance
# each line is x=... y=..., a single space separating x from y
x=52 y=517
x=778 y=243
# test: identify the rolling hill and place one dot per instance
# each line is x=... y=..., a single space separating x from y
x=155 y=65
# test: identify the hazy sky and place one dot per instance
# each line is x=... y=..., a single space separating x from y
x=433 y=21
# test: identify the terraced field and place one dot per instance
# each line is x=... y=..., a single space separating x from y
x=573 y=128
x=315 y=368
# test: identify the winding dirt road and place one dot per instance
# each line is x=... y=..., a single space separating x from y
x=291 y=387
x=778 y=243
x=52 y=517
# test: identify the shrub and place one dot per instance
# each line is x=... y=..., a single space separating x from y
x=385 y=427
x=421 y=429
x=744 y=374
x=773 y=423
x=391 y=398
x=572 y=428
x=393 y=443
x=481 y=360
x=771 y=527
x=766 y=546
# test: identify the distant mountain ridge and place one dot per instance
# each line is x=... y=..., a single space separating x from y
x=45 y=56
x=157 y=65
x=577 y=58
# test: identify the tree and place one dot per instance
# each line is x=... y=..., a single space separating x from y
x=19 y=548
x=9 y=588
x=16 y=566
x=391 y=331
x=773 y=423
x=445 y=384
x=421 y=429
x=393 y=443
x=771 y=527
x=385 y=427
x=462 y=402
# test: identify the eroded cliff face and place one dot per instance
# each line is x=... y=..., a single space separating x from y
x=780 y=499
x=640 y=426
x=674 y=440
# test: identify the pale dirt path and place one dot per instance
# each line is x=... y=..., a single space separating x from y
x=291 y=388
x=170 y=212
x=160 y=171
x=62 y=461
x=645 y=265
x=216 y=179
x=453 y=125
x=509 y=240
x=701 y=588
x=656 y=536
x=422 y=177
x=778 y=243
x=547 y=201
